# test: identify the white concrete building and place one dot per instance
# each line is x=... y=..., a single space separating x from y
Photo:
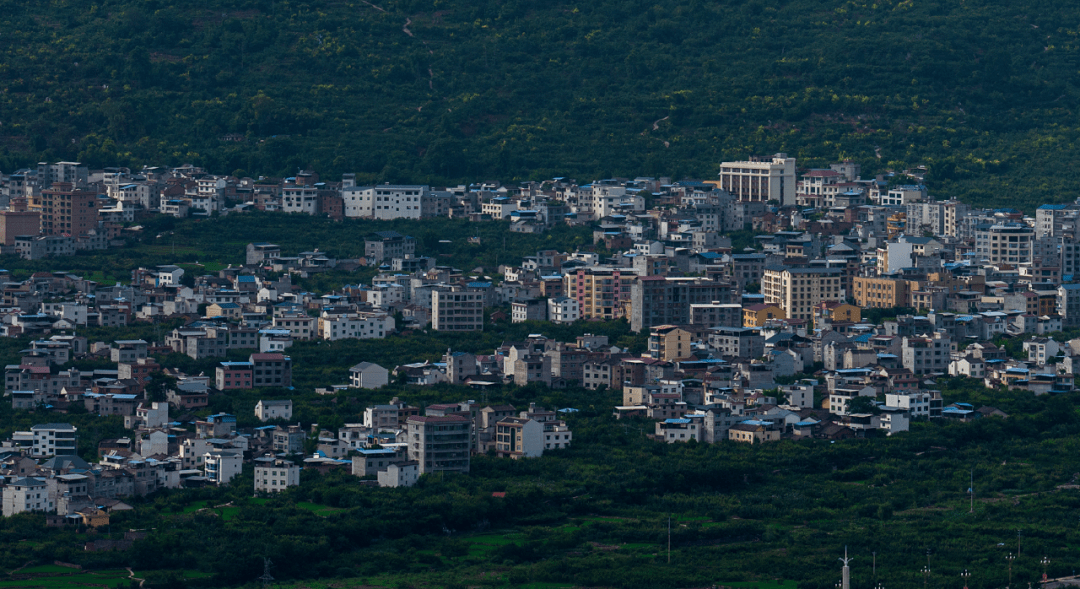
x=761 y=179
x=356 y=326
x=563 y=310
x=54 y=439
x=404 y=474
x=267 y=410
x=367 y=375
x=386 y=201
x=273 y=475
x=220 y=466
x=299 y=199
x=26 y=494
x=917 y=404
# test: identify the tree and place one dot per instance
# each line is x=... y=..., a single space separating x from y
x=159 y=386
x=863 y=404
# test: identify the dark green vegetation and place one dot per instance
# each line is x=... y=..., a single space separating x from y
x=596 y=515
x=207 y=246
x=981 y=91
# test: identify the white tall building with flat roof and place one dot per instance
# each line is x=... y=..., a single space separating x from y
x=273 y=474
x=299 y=199
x=26 y=494
x=761 y=179
x=220 y=466
x=54 y=439
x=386 y=201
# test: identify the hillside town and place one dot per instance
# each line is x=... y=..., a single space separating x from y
x=778 y=303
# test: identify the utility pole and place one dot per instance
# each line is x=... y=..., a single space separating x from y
x=875 y=564
x=1018 y=543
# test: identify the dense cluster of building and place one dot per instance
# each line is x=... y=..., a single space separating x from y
x=395 y=444
x=756 y=291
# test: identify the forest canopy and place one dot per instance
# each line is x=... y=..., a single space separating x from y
x=445 y=91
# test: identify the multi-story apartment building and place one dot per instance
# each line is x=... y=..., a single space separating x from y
x=54 y=439
x=220 y=466
x=747 y=268
x=383 y=246
x=1008 y=243
x=669 y=342
x=882 y=293
x=17 y=223
x=1068 y=305
x=601 y=291
x=663 y=300
x=66 y=210
x=798 y=290
x=273 y=474
x=761 y=179
x=927 y=354
x=26 y=494
x=1050 y=219
x=230 y=376
x=737 y=342
x=716 y=314
x=439 y=444
x=300 y=199
x=386 y=201
x=355 y=326
x=953 y=213
x=300 y=326
x=271 y=370
x=67 y=172
x=457 y=309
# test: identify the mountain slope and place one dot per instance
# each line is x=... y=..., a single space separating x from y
x=984 y=93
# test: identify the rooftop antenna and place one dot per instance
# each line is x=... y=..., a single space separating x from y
x=845 y=582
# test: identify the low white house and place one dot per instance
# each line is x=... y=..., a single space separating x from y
x=368 y=375
x=563 y=310
x=404 y=474
x=269 y=410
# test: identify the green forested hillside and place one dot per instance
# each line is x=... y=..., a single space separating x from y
x=984 y=92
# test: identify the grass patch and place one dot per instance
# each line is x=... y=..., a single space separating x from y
x=47 y=568
x=761 y=585
x=320 y=510
x=492 y=539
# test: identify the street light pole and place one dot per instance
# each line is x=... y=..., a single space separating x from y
x=1010 y=558
x=926 y=576
x=875 y=564
x=965 y=575
x=1045 y=562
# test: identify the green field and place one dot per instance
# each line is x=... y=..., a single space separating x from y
x=58 y=577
